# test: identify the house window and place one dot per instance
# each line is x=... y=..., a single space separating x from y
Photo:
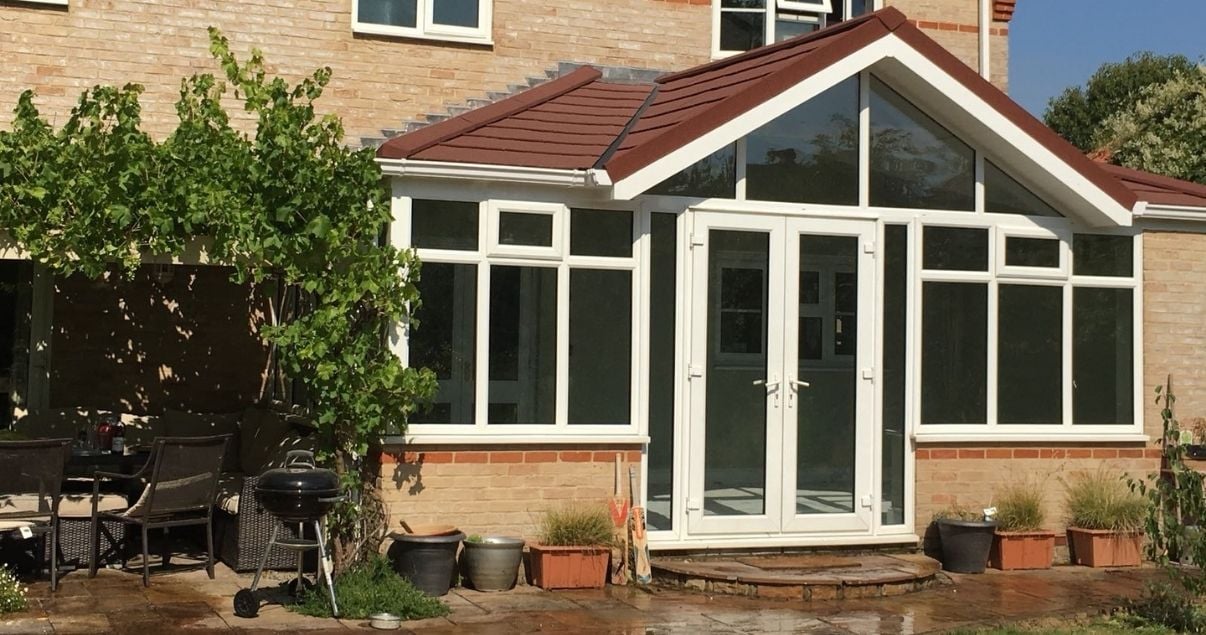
x=741 y=25
x=453 y=20
x=531 y=331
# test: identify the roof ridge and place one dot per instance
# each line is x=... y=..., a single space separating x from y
x=632 y=121
x=419 y=140
x=891 y=17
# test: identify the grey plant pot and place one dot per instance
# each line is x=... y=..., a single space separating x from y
x=493 y=563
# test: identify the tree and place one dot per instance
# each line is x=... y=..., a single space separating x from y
x=288 y=206
x=1164 y=132
x=1078 y=113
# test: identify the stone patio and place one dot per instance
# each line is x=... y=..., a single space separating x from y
x=188 y=601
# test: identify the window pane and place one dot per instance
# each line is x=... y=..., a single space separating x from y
x=787 y=29
x=443 y=224
x=600 y=355
x=446 y=339
x=743 y=4
x=741 y=31
x=600 y=233
x=1098 y=255
x=810 y=154
x=955 y=248
x=1030 y=347
x=663 y=240
x=954 y=352
x=391 y=12
x=915 y=162
x=896 y=328
x=455 y=13
x=714 y=176
x=1031 y=252
x=1103 y=363
x=516 y=228
x=1002 y=194
x=523 y=344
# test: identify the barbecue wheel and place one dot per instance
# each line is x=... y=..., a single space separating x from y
x=245 y=604
x=297 y=586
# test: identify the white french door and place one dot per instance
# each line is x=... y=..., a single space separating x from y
x=781 y=371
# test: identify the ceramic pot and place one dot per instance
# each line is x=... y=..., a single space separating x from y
x=965 y=544
x=493 y=563
x=428 y=562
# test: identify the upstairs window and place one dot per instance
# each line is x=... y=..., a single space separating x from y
x=452 y=20
x=742 y=25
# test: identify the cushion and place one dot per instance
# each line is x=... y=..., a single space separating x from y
x=230 y=489
x=178 y=423
x=10 y=525
x=164 y=490
x=266 y=438
x=70 y=505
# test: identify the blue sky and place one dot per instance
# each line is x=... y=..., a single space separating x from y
x=1058 y=43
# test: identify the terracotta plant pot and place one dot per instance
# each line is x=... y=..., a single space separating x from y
x=1022 y=550
x=1105 y=548
x=569 y=567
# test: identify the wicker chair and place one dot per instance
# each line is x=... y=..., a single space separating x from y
x=183 y=474
x=243 y=536
x=31 y=485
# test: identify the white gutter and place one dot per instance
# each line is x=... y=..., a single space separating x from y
x=1148 y=211
x=498 y=173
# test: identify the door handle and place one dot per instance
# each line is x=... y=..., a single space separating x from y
x=796 y=385
x=771 y=387
x=800 y=384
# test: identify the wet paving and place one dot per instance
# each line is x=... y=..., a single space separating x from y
x=116 y=602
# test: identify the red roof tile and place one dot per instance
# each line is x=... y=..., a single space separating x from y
x=1159 y=190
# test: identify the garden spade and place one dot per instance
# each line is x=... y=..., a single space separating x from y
x=639 y=544
x=619 y=520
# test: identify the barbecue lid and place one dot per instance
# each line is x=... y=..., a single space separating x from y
x=298 y=479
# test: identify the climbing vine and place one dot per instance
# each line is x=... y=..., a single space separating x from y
x=288 y=206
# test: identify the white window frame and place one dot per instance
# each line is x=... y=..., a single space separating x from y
x=427 y=29
x=57 y=3
x=802 y=9
x=560 y=430
x=1005 y=270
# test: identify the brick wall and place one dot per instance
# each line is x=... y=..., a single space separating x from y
x=378 y=81
x=154 y=342
x=955 y=24
x=501 y=490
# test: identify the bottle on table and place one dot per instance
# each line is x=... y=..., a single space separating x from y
x=104 y=435
x=119 y=438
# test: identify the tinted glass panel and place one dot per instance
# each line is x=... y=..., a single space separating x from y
x=715 y=176
x=662 y=270
x=516 y=228
x=443 y=224
x=896 y=325
x=742 y=31
x=954 y=353
x=955 y=248
x=1031 y=252
x=1002 y=194
x=1098 y=255
x=391 y=12
x=455 y=12
x=810 y=154
x=1030 y=354
x=743 y=4
x=600 y=355
x=787 y=29
x=1103 y=356
x=600 y=233
x=523 y=344
x=446 y=339
x=915 y=162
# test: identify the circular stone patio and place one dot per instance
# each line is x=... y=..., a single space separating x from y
x=799 y=576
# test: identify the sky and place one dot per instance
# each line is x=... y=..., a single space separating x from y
x=1054 y=44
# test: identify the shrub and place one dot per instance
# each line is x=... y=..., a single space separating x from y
x=958 y=512
x=1162 y=605
x=1020 y=508
x=12 y=594
x=577 y=526
x=368 y=588
x=1101 y=501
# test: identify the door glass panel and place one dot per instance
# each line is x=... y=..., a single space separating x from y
x=825 y=413
x=896 y=328
x=735 y=420
x=663 y=238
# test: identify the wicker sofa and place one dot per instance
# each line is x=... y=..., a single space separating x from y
x=262 y=436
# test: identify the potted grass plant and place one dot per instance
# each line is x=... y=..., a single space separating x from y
x=575 y=543
x=1020 y=542
x=1105 y=521
x=966 y=537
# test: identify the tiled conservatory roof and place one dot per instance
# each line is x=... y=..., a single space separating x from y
x=578 y=121
x=1159 y=190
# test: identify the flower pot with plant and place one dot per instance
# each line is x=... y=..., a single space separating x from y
x=1197 y=449
x=1105 y=522
x=1020 y=541
x=491 y=563
x=575 y=543
x=966 y=539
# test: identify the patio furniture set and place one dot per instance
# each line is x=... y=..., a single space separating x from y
x=178 y=469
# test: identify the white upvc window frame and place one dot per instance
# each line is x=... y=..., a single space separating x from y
x=488 y=254
x=802 y=10
x=57 y=3
x=426 y=28
x=1005 y=270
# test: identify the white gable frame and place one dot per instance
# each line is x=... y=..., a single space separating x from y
x=939 y=94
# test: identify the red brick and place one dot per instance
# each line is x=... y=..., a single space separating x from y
x=971 y=454
x=1079 y=453
x=1153 y=453
x=1130 y=453
x=633 y=456
x=1025 y=453
x=923 y=454
x=944 y=453
x=471 y=457
x=1105 y=453
x=574 y=457
x=506 y=457
x=539 y=457
x=437 y=457
x=998 y=453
